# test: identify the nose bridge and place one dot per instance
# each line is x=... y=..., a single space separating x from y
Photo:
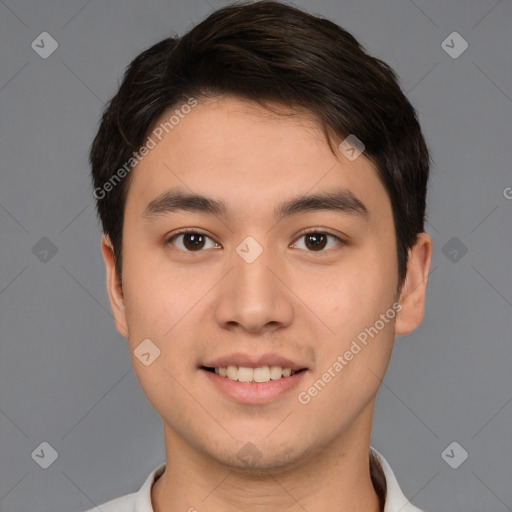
x=254 y=276
x=251 y=295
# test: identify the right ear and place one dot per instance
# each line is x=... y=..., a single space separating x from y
x=114 y=288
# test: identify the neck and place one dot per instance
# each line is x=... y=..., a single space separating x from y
x=335 y=478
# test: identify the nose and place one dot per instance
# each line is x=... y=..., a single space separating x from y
x=253 y=296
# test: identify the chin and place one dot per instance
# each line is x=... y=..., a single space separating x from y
x=260 y=457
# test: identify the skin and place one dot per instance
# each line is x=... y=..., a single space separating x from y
x=305 y=304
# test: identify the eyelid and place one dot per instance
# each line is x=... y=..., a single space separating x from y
x=318 y=229
x=168 y=239
x=323 y=231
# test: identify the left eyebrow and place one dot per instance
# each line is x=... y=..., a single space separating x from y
x=338 y=201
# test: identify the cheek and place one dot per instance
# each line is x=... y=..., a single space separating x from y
x=352 y=296
x=350 y=302
x=162 y=304
x=160 y=325
x=153 y=300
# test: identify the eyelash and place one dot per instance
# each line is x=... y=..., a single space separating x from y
x=197 y=232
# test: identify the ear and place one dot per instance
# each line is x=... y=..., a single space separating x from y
x=412 y=294
x=114 y=289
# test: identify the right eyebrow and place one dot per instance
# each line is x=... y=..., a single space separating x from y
x=174 y=200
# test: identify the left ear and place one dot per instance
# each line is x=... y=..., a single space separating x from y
x=412 y=294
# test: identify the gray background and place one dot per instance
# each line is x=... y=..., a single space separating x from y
x=65 y=373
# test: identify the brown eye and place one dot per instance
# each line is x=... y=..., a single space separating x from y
x=316 y=241
x=191 y=241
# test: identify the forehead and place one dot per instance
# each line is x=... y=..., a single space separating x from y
x=234 y=148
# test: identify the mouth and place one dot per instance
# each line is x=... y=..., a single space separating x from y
x=254 y=385
x=258 y=375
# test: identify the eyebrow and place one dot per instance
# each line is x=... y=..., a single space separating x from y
x=338 y=201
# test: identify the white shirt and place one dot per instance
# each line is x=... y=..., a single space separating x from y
x=141 y=501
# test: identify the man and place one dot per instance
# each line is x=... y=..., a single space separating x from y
x=261 y=182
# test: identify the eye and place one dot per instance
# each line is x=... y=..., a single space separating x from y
x=192 y=241
x=195 y=241
x=315 y=240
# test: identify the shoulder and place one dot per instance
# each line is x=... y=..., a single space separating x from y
x=139 y=501
x=395 y=499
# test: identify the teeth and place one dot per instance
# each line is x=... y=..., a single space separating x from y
x=260 y=374
x=232 y=372
x=275 y=372
x=245 y=374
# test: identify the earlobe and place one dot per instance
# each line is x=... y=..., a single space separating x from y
x=114 y=289
x=412 y=296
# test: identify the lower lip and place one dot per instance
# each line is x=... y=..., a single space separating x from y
x=254 y=392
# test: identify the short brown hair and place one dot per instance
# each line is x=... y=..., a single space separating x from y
x=270 y=52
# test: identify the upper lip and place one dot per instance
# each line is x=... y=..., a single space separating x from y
x=254 y=361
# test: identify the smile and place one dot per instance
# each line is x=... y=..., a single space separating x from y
x=260 y=374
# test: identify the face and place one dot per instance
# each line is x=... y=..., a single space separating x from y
x=254 y=276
